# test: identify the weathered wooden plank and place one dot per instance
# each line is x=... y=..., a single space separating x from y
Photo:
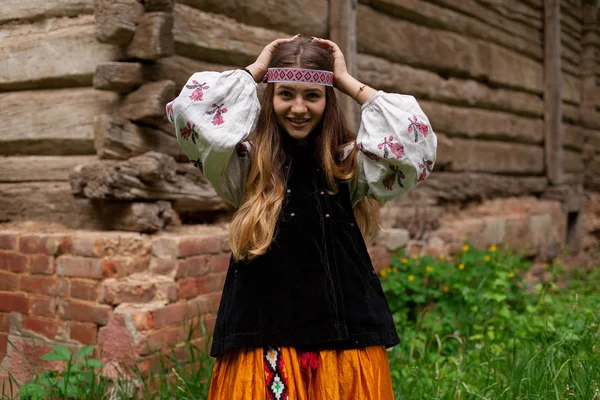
x=118 y=139
x=233 y=43
x=553 y=139
x=116 y=20
x=450 y=53
x=122 y=77
x=342 y=30
x=398 y=78
x=574 y=137
x=137 y=217
x=517 y=11
x=152 y=176
x=465 y=155
x=592 y=175
x=573 y=161
x=51 y=121
x=465 y=186
x=35 y=9
x=483 y=124
x=40 y=168
x=308 y=17
x=28 y=54
x=147 y=104
x=179 y=69
x=570 y=88
x=158 y=5
x=437 y=17
x=153 y=37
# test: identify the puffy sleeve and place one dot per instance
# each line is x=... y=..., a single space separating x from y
x=213 y=116
x=396 y=148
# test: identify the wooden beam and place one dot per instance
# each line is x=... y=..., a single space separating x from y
x=116 y=20
x=147 y=104
x=122 y=77
x=153 y=37
x=552 y=93
x=342 y=30
x=40 y=168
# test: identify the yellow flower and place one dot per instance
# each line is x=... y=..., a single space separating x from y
x=511 y=275
x=415 y=256
x=461 y=266
x=445 y=288
x=405 y=260
x=383 y=273
x=487 y=258
x=428 y=268
x=442 y=257
x=465 y=248
x=411 y=278
x=395 y=269
x=493 y=248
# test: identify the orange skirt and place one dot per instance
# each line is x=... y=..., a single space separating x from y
x=282 y=373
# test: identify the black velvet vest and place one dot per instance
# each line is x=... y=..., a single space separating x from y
x=315 y=288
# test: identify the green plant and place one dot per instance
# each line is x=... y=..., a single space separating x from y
x=78 y=380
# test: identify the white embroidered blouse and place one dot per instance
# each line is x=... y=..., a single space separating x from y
x=215 y=113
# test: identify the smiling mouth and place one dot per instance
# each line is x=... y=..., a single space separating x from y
x=298 y=121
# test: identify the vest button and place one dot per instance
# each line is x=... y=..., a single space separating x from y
x=326 y=215
x=293 y=215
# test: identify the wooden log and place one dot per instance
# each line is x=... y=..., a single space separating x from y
x=398 y=78
x=574 y=137
x=573 y=161
x=120 y=139
x=116 y=20
x=179 y=69
x=572 y=198
x=482 y=124
x=592 y=175
x=158 y=5
x=570 y=88
x=233 y=44
x=40 y=168
x=437 y=17
x=517 y=11
x=450 y=53
x=153 y=37
x=308 y=17
x=138 y=217
x=28 y=54
x=122 y=77
x=571 y=113
x=465 y=155
x=133 y=180
x=462 y=187
x=147 y=104
x=57 y=122
x=26 y=10
x=484 y=13
x=552 y=93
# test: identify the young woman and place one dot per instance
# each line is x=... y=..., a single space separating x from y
x=302 y=315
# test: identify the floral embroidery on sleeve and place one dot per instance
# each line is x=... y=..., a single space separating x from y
x=217 y=110
x=388 y=145
x=189 y=131
x=198 y=90
x=417 y=126
x=426 y=167
x=170 y=113
x=395 y=176
x=367 y=153
x=242 y=150
x=198 y=164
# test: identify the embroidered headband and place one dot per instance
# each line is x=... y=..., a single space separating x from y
x=299 y=75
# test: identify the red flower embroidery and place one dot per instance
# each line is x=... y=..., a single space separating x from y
x=395 y=176
x=388 y=145
x=198 y=92
x=187 y=131
x=217 y=111
x=242 y=150
x=170 y=112
x=426 y=167
x=367 y=153
x=417 y=126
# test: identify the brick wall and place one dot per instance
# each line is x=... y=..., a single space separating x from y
x=136 y=295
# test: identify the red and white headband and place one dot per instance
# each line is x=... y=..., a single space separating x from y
x=299 y=75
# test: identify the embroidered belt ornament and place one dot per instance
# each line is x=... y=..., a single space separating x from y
x=299 y=75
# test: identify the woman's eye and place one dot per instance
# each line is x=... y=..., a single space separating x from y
x=314 y=96
x=285 y=93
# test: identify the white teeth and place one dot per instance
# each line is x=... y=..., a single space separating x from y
x=298 y=120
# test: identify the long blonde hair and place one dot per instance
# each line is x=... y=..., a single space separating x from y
x=253 y=225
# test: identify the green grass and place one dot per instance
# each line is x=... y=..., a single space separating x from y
x=470 y=328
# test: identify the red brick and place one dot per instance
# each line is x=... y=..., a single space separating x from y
x=4 y=322
x=85 y=333
x=84 y=289
x=192 y=287
x=208 y=303
x=192 y=266
x=169 y=315
x=196 y=245
x=10 y=261
x=166 y=337
x=85 y=312
x=14 y=302
x=43 y=307
x=162 y=266
x=79 y=267
x=41 y=264
x=143 y=321
x=219 y=263
x=49 y=328
x=3 y=344
x=8 y=241
x=48 y=244
x=115 y=292
x=45 y=285
x=9 y=282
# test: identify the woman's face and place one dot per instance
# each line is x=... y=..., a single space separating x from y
x=299 y=107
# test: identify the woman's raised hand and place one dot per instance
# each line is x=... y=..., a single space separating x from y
x=260 y=66
x=340 y=70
